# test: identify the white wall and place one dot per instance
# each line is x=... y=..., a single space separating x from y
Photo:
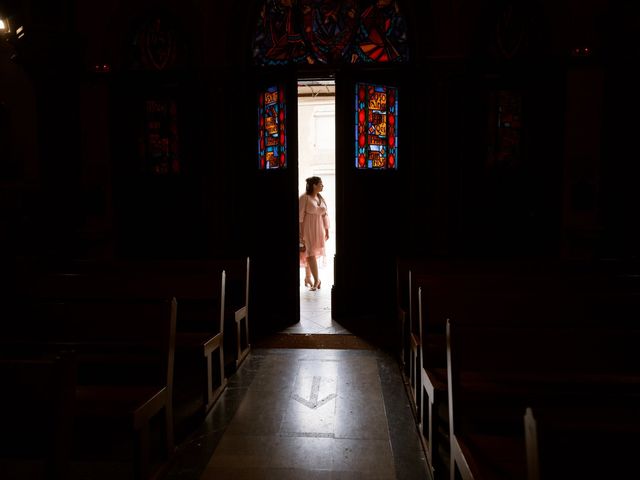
x=316 y=152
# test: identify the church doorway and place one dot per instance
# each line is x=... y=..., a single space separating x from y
x=317 y=157
x=359 y=50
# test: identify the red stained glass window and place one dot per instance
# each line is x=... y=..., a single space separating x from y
x=330 y=32
x=376 y=133
x=160 y=148
x=272 y=131
x=505 y=128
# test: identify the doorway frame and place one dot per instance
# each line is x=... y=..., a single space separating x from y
x=319 y=82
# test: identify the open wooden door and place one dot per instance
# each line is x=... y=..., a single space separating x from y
x=271 y=169
x=372 y=171
x=363 y=43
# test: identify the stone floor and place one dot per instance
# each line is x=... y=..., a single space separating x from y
x=315 y=306
x=308 y=414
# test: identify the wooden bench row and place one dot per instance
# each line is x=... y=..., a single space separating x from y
x=103 y=303
x=122 y=356
x=582 y=382
x=190 y=281
x=486 y=293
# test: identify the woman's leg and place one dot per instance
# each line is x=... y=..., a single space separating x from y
x=307 y=275
x=313 y=265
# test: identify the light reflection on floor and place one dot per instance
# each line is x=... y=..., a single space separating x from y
x=315 y=306
x=320 y=414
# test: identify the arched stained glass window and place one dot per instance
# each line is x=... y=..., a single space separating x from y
x=381 y=36
x=376 y=134
x=278 y=39
x=272 y=136
x=159 y=144
x=329 y=28
x=330 y=32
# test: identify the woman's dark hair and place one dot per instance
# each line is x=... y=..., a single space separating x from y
x=311 y=181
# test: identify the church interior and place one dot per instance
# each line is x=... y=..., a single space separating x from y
x=485 y=259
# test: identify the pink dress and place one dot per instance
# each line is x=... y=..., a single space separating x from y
x=314 y=223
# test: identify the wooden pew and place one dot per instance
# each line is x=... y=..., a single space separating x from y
x=402 y=312
x=236 y=295
x=415 y=355
x=432 y=423
x=174 y=273
x=36 y=414
x=582 y=440
x=409 y=327
x=408 y=270
x=237 y=307
x=200 y=345
x=495 y=372
x=124 y=349
x=434 y=287
x=486 y=292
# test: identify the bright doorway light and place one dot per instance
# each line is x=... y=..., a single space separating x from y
x=317 y=157
x=317 y=150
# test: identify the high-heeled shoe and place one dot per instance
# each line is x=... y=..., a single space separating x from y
x=307 y=283
x=317 y=285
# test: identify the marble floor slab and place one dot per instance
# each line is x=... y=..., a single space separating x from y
x=308 y=414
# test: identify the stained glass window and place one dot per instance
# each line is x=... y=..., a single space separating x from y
x=278 y=39
x=329 y=28
x=505 y=128
x=376 y=134
x=159 y=144
x=272 y=138
x=330 y=32
x=381 y=35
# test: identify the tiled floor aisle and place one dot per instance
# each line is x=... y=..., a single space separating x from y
x=315 y=306
x=308 y=414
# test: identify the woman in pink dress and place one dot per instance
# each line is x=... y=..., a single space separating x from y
x=314 y=230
